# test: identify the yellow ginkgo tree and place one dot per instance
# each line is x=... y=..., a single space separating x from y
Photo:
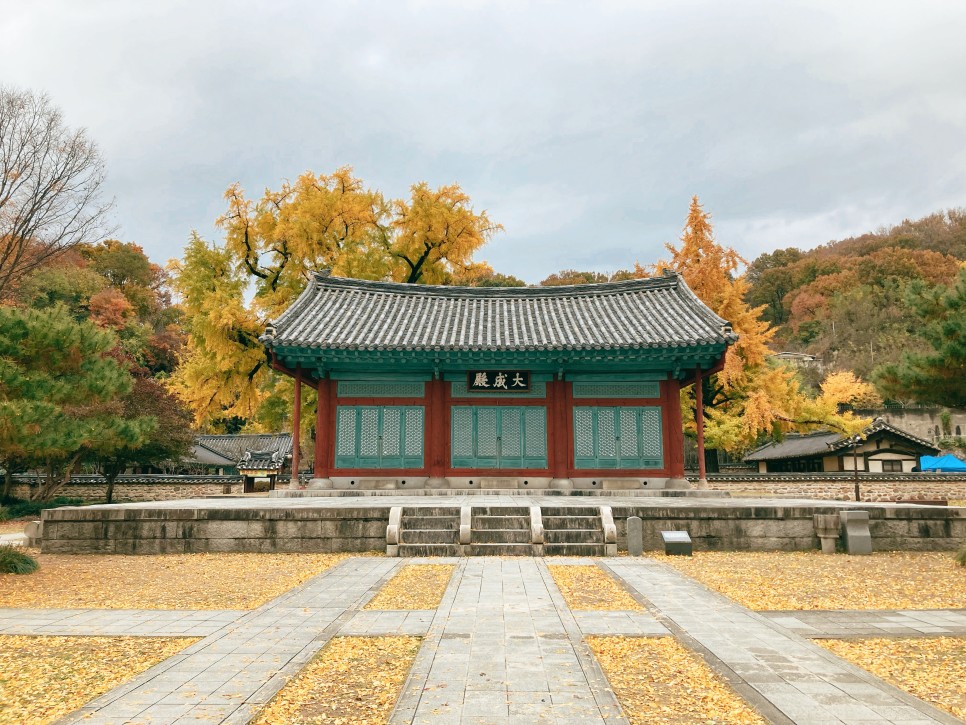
x=273 y=244
x=753 y=396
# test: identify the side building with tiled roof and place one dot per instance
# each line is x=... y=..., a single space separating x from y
x=259 y=457
x=460 y=387
x=881 y=448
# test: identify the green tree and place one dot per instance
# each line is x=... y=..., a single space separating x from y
x=168 y=439
x=59 y=395
x=939 y=375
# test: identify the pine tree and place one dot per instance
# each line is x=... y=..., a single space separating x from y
x=938 y=377
x=59 y=397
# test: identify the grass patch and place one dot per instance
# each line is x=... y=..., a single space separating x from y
x=168 y=581
x=417 y=586
x=961 y=556
x=44 y=678
x=352 y=680
x=590 y=588
x=16 y=561
x=931 y=668
x=811 y=580
x=657 y=680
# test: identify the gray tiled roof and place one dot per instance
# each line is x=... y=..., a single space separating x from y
x=234 y=447
x=879 y=425
x=825 y=443
x=796 y=446
x=340 y=313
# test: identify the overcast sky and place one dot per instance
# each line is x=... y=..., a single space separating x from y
x=582 y=127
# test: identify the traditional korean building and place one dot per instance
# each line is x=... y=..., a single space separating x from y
x=530 y=387
x=883 y=448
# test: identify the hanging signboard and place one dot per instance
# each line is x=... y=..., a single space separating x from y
x=498 y=381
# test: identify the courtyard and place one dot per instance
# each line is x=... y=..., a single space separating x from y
x=289 y=638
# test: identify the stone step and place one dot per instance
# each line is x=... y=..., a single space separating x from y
x=430 y=550
x=500 y=536
x=569 y=511
x=442 y=523
x=445 y=511
x=573 y=550
x=500 y=550
x=571 y=522
x=573 y=536
x=427 y=536
x=501 y=511
x=501 y=522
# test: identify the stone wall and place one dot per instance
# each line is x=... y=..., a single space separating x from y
x=778 y=528
x=110 y=530
x=843 y=488
x=921 y=422
x=139 y=488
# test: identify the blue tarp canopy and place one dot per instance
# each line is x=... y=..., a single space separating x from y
x=945 y=463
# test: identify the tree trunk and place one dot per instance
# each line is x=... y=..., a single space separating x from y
x=7 y=482
x=110 y=477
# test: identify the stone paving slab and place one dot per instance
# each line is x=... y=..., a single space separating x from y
x=788 y=678
x=230 y=675
x=502 y=648
x=846 y=624
x=389 y=623
x=116 y=622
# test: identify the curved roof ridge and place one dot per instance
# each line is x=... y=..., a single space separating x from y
x=342 y=313
x=324 y=278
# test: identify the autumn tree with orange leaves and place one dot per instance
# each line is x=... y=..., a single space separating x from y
x=753 y=396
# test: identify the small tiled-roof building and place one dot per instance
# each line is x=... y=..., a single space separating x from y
x=255 y=456
x=883 y=449
x=534 y=386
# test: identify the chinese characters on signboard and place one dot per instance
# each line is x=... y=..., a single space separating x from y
x=498 y=381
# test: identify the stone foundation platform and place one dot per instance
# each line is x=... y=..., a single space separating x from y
x=338 y=523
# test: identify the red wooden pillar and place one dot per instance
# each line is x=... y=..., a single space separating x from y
x=675 y=435
x=296 y=427
x=437 y=430
x=699 y=425
x=324 y=432
x=558 y=419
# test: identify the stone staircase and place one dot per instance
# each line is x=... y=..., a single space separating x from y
x=573 y=531
x=501 y=531
x=429 y=531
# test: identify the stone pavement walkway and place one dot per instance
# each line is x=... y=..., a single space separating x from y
x=502 y=647
x=844 y=624
x=117 y=622
x=230 y=675
x=786 y=677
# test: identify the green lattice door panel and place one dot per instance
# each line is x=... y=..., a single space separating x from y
x=379 y=437
x=489 y=436
x=618 y=437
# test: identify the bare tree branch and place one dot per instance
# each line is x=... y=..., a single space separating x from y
x=51 y=180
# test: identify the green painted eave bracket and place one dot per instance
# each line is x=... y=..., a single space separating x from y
x=658 y=363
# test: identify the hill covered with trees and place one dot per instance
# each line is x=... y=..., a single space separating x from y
x=861 y=303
